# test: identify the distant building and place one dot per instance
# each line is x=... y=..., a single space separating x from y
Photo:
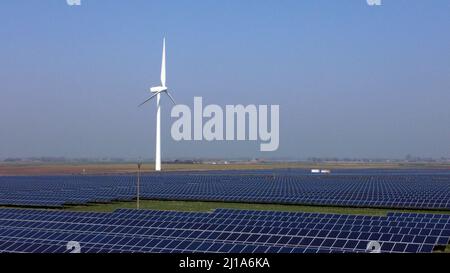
x=323 y=171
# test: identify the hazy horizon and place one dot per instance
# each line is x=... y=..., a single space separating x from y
x=243 y=158
x=352 y=80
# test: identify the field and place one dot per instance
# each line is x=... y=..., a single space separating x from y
x=10 y=169
x=210 y=206
x=248 y=209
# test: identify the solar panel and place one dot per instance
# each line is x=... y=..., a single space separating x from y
x=149 y=231
x=370 y=189
x=227 y=230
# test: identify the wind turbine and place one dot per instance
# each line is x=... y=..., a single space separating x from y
x=157 y=90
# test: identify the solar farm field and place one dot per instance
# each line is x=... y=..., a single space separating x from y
x=222 y=231
x=379 y=189
x=37 y=216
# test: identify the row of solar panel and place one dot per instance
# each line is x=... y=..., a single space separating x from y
x=300 y=218
x=89 y=228
x=310 y=220
x=430 y=191
x=219 y=214
x=430 y=236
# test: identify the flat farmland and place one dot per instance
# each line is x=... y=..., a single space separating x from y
x=12 y=169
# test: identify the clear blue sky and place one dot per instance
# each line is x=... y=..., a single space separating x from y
x=351 y=80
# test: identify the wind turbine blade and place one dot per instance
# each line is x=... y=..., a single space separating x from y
x=163 y=64
x=170 y=96
x=148 y=99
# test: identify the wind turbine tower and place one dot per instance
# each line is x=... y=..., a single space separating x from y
x=157 y=90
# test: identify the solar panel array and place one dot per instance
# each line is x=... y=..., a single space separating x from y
x=222 y=231
x=392 y=190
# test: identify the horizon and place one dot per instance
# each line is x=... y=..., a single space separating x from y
x=243 y=158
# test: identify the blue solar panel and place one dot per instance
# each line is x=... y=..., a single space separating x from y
x=150 y=231
x=396 y=189
x=227 y=230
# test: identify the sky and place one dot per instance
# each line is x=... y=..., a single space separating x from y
x=352 y=80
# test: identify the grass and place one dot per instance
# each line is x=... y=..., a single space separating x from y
x=443 y=250
x=209 y=206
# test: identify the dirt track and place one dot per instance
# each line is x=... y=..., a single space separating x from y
x=94 y=168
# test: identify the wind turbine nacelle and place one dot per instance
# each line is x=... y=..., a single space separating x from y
x=158 y=89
